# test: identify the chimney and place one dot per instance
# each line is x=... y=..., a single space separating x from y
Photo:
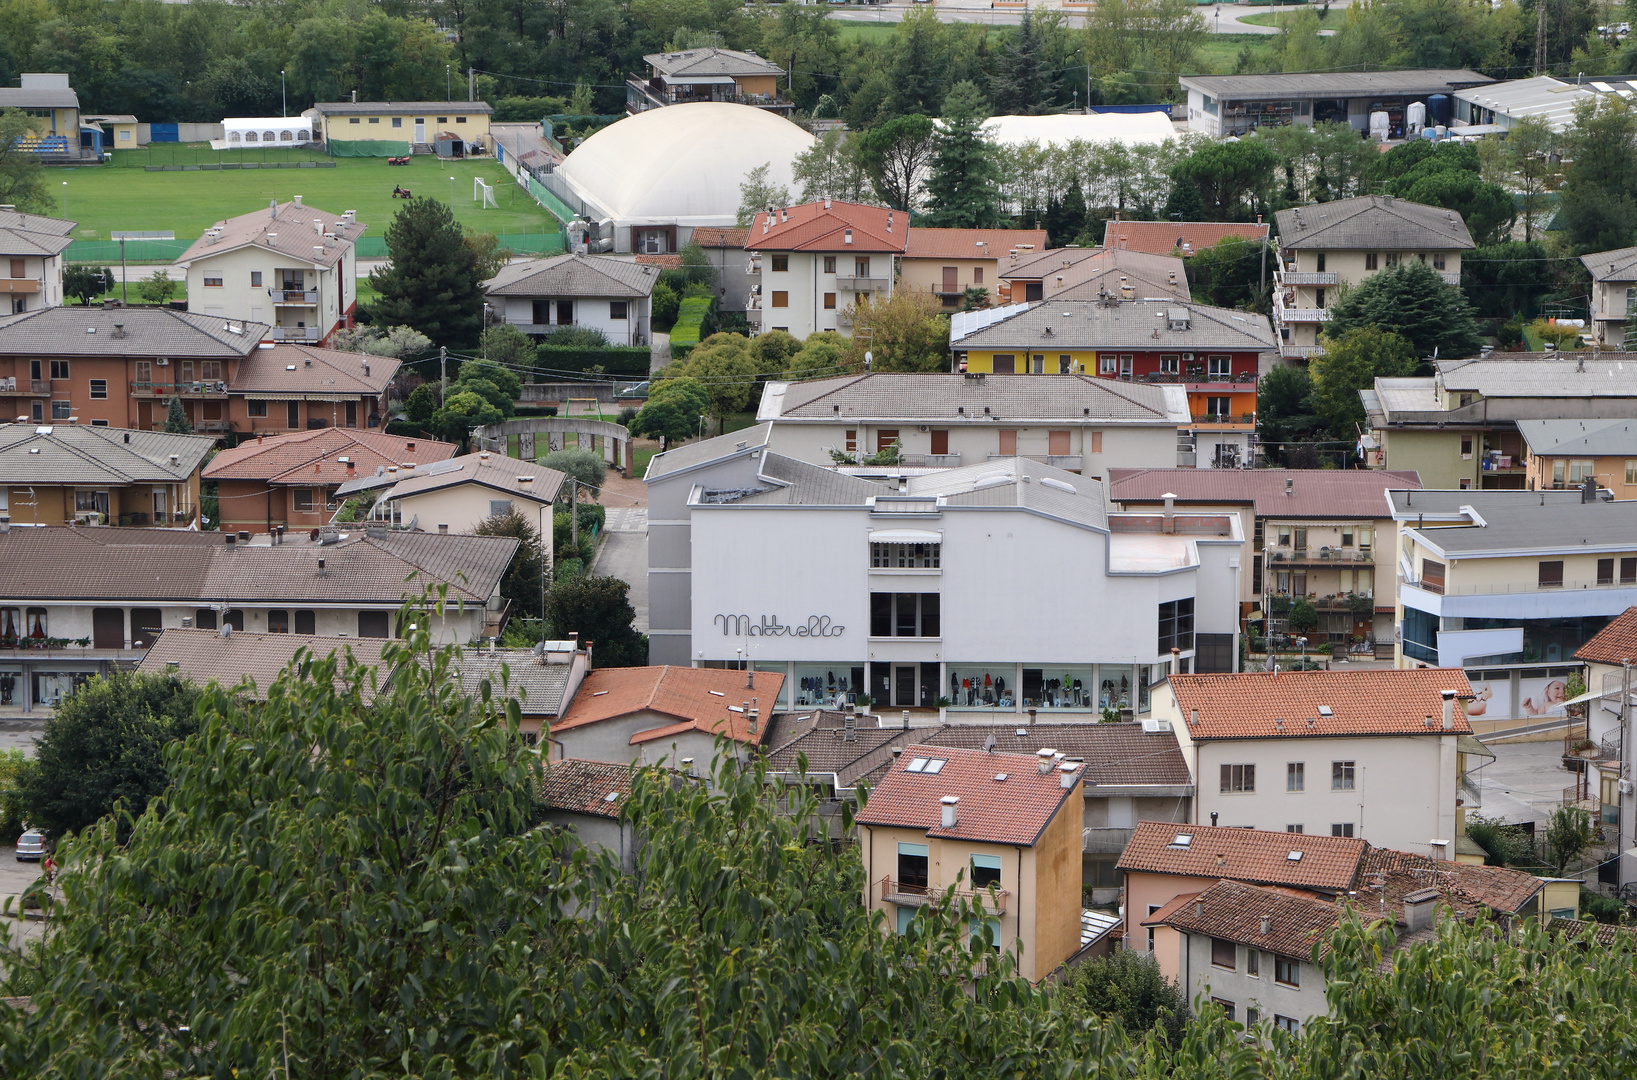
x=1418 y=909
x=1588 y=490
x=443 y=529
x=1193 y=717
x=1068 y=775
x=849 y=726
x=410 y=445
x=1267 y=925
x=1176 y=661
x=296 y=199
x=244 y=537
x=1290 y=485
x=1170 y=524
x=1199 y=909
x=119 y=329
x=321 y=568
x=232 y=538
x=950 y=802
x=1449 y=710
x=1045 y=760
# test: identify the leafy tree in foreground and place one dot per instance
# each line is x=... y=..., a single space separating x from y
x=586 y=466
x=1352 y=362
x=158 y=287
x=894 y=156
x=1413 y=301
x=431 y=283
x=906 y=332
x=1126 y=986
x=84 y=282
x=106 y=744
x=22 y=177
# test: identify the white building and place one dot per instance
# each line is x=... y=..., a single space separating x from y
x=811 y=264
x=32 y=247
x=290 y=266
x=1377 y=754
x=993 y=586
x=591 y=291
x=1222 y=105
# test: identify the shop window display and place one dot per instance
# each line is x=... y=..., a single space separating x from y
x=1064 y=686
x=828 y=686
x=982 y=687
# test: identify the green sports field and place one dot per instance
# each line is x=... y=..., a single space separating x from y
x=125 y=197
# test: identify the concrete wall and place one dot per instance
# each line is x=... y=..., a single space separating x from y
x=1054 y=924
x=1435 y=454
x=238 y=298
x=927 y=274
x=611 y=740
x=1146 y=893
x=597 y=834
x=1262 y=992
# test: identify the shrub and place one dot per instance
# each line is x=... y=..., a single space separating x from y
x=664 y=302
x=692 y=321
x=575 y=337
x=587 y=466
x=633 y=360
x=569 y=569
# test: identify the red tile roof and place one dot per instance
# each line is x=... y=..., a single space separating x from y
x=965 y=243
x=1615 y=643
x=323 y=374
x=1315 y=493
x=1014 y=810
x=584 y=787
x=697 y=697
x=290 y=459
x=822 y=226
x=1388 y=876
x=715 y=237
x=1233 y=911
x=1327 y=863
x=1252 y=704
x=1165 y=237
x=664 y=262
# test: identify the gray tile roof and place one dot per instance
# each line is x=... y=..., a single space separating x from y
x=401 y=108
x=1575 y=375
x=1617 y=265
x=1372 y=223
x=1584 y=438
x=916 y=398
x=61 y=454
x=691 y=455
x=31 y=234
x=1443 y=502
x=1313 y=493
x=117 y=564
x=712 y=62
x=204 y=656
x=538 y=687
x=829 y=751
x=497 y=473
x=1539 y=524
x=1139 y=324
x=147 y=332
x=1078 y=273
x=573 y=275
x=286 y=228
x=13 y=98
x=1336 y=84
x=1114 y=754
x=797 y=483
x=309 y=371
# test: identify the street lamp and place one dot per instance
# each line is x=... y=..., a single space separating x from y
x=1302 y=641
x=284 y=98
x=451 y=196
x=65 y=199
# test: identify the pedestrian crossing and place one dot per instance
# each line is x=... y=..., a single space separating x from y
x=633 y=519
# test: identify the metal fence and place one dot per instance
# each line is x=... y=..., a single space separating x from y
x=106 y=252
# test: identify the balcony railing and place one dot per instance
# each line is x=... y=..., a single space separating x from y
x=931 y=461
x=1306 y=277
x=33 y=387
x=1281 y=554
x=895 y=891
x=1291 y=351
x=299 y=297
x=295 y=333
x=1299 y=315
x=644 y=94
x=1105 y=841
x=753 y=316
x=861 y=284
x=1200 y=377
x=213 y=388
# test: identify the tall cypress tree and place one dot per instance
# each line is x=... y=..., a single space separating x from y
x=432 y=282
x=964 y=189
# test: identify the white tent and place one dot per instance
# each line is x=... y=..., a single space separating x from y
x=257 y=132
x=1063 y=128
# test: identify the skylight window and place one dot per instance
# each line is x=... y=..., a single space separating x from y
x=916 y=765
x=926 y=765
x=1182 y=840
x=1294 y=856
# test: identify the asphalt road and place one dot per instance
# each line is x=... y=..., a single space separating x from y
x=1220 y=19
x=623 y=553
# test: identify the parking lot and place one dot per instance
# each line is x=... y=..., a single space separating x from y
x=14 y=878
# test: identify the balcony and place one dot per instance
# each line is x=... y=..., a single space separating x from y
x=296 y=297
x=1105 y=841
x=295 y=333
x=753 y=266
x=753 y=316
x=643 y=94
x=214 y=388
x=25 y=387
x=1451 y=277
x=1298 y=315
x=862 y=284
x=913 y=894
x=1325 y=556
x=930 y=461
x=1292 y=351
x=1197 y=376
x=1300 y=277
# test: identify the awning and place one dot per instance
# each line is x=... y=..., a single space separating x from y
x=697 y=80
x=1593 y=695
x=1467 y=744
x=904 y=536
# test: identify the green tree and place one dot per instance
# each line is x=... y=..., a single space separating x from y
x=599 y=611
x=663 y=302
x=586 y=466
x=84 y=282
x=1158 y=38
x=1229 y=274
x=158 y=288
x=1523 y=163
x=1506 y=278
x=1486 y=208
x=13 y=764
x=1020 y=84
x=773 y=348
x=103 y=746
x=1284 y=407
x=895 y=155
x=907 y=332
x=1353 y=361
x=964 y=190
x=500 y=386
x=1126 y=986
x=1303 y=619
x=823 y=354
x=1569 y=834
x=488 y=257
x=1415 y=303
x=726 y=367
x=176 y=418
x=400 y=342
x=461 y=412
x=757 y=193
x=422 y=403
x=522 y=583
x=431 y=282
x=673 y=410
x=1597 y=208
x=830 y=168
x=1231 y=177
x=22 y=177
x=508 y=348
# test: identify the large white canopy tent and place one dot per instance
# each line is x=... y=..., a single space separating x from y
x=255 y=132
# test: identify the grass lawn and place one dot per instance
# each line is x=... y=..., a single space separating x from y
x=125 y=197
x=366 y=292
x=1220 y=52
x=1329 y=20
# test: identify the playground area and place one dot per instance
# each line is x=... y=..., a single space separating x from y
x=126 y=196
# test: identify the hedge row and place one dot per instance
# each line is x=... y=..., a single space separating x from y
x=692 y=323
x=614 y=360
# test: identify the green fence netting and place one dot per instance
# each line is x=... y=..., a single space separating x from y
x=106 y=252
x=350 y=148
x=545 y=198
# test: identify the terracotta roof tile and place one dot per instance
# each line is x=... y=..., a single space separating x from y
x=698 y=697
x=1251 y=705
x=1011 y=811
x=964 y=243
x=289 y=459
x=1234 y=911
x=1315 y=493
x=817 y=227
x=715 y=237
x=1327 y=863
x=828 y=750
x=1166 y=237
x=1615 y=643
x=1388 y=876
x=583 y=787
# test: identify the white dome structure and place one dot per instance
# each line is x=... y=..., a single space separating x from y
x=682 y=165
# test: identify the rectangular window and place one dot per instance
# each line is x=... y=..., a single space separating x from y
x=781 y=264
x=1168 y=363
x=977 y=275
x=905 y=615
x=1221 y=367
x=1251 y=1016
x=460 y=119
x=1057 y=443
x=59 y=369
x=1581 y=470
x=144 y=373
x=781 y=299
x=372 y=624
x=1551 y=574
x=1226 y=1006
x=1320 y=266
x=1037 y=364
x=213 y=282
x=61 y=410
x=1176 y=626
x=1287 y=971
x=985 y=871
x=1008 y=443
x=397 y=122
x=617 y=309
x=1004 y=364
x=255 y=279
x=1342 y=828
x=1285 y=1023
x=1238 y=779
x=1605 y=571
x=829 y=264
x=852 y=439
x=184 y=371
x=1369 y=260
x=1224 y=954
x=257 y=408
x=1253 y=964
x=210 y=370
x=1628 y=571
x=1097 y=442
x=1631 y=472
x=306 y=623
x=1438 y=260
x=829 y=301
x=292 y=414
x=302 y=499
x=1390 y=259
x=1107 y=364
x=939 y=440
x=499 y=507
x=1065 y=364
x=1295 y=776
x=905 y=556
x=1293 y=828
x=861 y=268
x=1300 y=538
x=1341 y=775
x=278 y=622
x=884 y=438
x=19 y=268
x=443 y=119
x=99 y=388
x=352 y=119
x=1218 y=408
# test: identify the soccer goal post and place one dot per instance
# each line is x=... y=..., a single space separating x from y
x=483 y=194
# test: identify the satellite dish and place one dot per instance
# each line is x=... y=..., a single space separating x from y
x=989 y=743
x=867 y=359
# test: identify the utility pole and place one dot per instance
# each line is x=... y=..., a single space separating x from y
x=574 y=513
x=1262 y=283
x=1626 y=735
x=443 y=373
x=471 y=84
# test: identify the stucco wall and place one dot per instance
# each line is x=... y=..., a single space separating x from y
x=1262 y=992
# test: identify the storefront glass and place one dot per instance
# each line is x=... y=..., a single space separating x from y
x=50 y=687
x=828 y=686
x=1062 y=686
x=11 y=686
x=981 y=686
